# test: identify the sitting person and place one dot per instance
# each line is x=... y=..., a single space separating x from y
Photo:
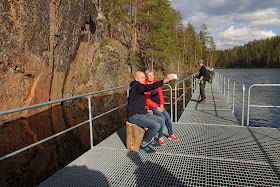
x=137 y=113
x=155 y=102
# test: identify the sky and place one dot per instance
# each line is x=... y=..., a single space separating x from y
x=232 y=22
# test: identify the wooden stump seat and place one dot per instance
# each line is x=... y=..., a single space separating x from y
x=134 y=136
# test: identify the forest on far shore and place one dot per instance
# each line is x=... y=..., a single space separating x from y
x=264 y=53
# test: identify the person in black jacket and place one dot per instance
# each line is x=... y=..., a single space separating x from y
x=137 y=113
x=201 y=80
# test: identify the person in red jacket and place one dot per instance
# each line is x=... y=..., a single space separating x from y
x=155 y=102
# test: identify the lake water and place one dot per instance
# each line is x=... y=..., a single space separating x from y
x=34 y=165
x=260 y=117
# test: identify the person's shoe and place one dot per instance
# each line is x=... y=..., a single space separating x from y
x=146 y=149
x=154 y=144
x=202 y=100
x=172 y=137
x=161 y=141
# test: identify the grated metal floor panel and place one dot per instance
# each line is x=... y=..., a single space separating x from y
x=113 y=167
x=213 y=152
x=214 y=111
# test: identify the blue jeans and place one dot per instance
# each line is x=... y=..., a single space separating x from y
x=152 y=122
x=166 y=118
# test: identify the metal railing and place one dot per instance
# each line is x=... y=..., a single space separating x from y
x=192 y=84
x=91 y=118
x=171 y=104
x=258 y=106
x=224 y=84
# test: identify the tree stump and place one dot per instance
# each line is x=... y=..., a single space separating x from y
x=134 y=136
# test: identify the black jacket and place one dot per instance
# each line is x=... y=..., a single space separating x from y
x=136 y=99
x=202 y=72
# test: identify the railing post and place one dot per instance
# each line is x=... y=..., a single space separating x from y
x=189 y=90
x=222 y=78
x=192 y=83
x=184 y=96
x=220 y=81
x=248 y=105
x=127 y=92
x=233 y=96
x=90 y=122
x=224 y=86
x=243 y=104
x=176 y=110
x=196 y=84
x=171 y=105
x=228 y=90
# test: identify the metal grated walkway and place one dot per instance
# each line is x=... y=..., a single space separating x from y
x=213 y=150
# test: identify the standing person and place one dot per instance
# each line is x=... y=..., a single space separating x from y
x=201 y=80
x=155 y=102
x=137 y=113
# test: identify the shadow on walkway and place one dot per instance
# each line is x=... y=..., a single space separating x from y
x=151 y=174
x=76 y=176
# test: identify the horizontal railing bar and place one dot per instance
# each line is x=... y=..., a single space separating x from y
x=189 y=77
x=108 y=111
x=258 y=106
x=233 y=79
x=264 y=106
x=181 y=96
x=265 y=85
x=42 y=141
x=178 y=98
x=180 y=81
x=56 y=101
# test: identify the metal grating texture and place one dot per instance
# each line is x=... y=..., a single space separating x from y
x=222 y=117
x=214 y=111
x=206 y=155
x=246 y=144
x=212 y=151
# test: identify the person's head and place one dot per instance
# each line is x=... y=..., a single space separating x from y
x=150 y=75
x=140 y=77
x=200 y=63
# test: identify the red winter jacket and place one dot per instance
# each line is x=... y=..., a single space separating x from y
x=154 y=98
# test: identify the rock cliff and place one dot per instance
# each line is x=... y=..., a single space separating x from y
x=51 y=49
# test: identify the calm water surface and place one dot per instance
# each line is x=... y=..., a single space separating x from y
x=34 y=165
x=264 y=117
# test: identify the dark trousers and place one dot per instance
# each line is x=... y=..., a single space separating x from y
x=202 y=90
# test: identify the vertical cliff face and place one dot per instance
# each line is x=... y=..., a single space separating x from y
x=54 y=49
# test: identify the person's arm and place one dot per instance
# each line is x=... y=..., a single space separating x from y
x=203 y=72
x=200 y=79
x=142 y=88
x=160 y=95
x=149 y=101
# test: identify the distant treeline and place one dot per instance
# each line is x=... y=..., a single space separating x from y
x=262 y=53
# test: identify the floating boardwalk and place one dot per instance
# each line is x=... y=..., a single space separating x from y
x=213 y=150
